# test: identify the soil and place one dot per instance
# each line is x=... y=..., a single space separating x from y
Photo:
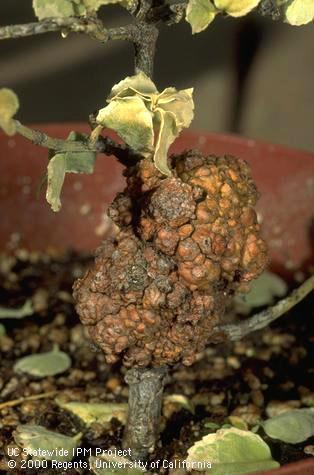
x=245 y=379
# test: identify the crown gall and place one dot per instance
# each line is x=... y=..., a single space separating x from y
x=184 y=245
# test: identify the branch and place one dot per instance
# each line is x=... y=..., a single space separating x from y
x=90 y=26
x=102 y=145
x=262 y=319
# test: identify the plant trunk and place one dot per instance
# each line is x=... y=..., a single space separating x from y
x=145 y=400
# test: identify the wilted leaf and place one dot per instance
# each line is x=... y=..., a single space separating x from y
x=232 y=451
x=21 y=312
x=110 y=464
x=180 y=103
x=132 y=121
x=146 y=120
x=236 y=8
x=9 y=105
x=263 y=291
x=137 y=84
x=200 y=13
x=291 y=427
x=68 y=162
x=56 y=174
x=51 y=445
x=54 y=8
x=44 y=364
x=90 y=412
x=166 y=134
x=300 y=12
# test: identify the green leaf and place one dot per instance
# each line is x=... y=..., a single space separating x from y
x=200 y=13
x=300 y=12
x=137 y=84
x=9 y=105
x=44 y=444
x=264 y=290
x=236 y=8
x=167 y=132
x=68 y=162
x=53 y=8
x=130 y=118
x=21 y=312
x=44 y=364
x=89 y=413
x=291 y=427
x=113 y=464
x=232 y=451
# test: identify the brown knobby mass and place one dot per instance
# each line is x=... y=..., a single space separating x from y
x=184 y=245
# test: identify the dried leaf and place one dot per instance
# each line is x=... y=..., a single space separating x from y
x=130 y=118
x=180 y=103
x=68 y=162
x=300 y=12
x=137 y=84
x=200 y=13
x=146 y=120
x=232 y=451
x=44 y=364
x=21 y=312
x=44 y=444
x=113 y=464
x=90 y=413
x=9 y=105
x=236 y=8
x=291 y=427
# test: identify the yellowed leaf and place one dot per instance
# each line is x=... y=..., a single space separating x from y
x=236 y=8
x=300 y=12
x=200 y=13
x=9 y=105
x=130 y=118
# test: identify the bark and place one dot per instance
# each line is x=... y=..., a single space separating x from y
x=145 y=399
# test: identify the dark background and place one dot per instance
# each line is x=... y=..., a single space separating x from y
x=251 y=76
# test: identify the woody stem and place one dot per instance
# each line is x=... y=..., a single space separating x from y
x=145 y=400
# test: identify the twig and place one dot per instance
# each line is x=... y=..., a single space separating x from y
x=262 y=319
x=103 y=145
x=34 y=397
x=89 y=25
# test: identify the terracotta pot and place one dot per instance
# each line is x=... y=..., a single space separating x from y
x=284 y=178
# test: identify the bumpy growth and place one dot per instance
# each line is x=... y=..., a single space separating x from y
x=185 y=244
